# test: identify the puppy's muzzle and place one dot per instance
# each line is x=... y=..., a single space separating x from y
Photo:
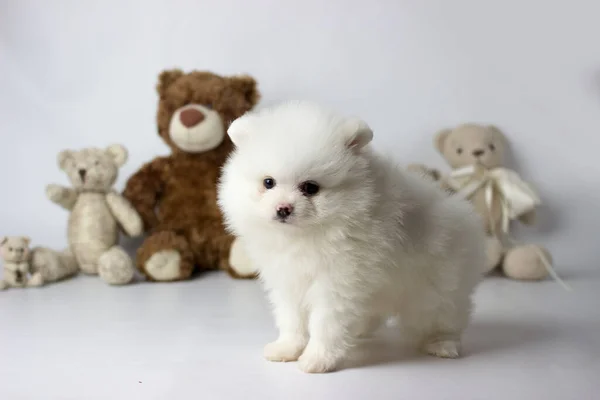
x=284 y=211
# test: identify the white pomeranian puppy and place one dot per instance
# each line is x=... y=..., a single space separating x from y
x=344 y=238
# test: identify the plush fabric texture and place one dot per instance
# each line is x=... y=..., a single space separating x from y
x=97 y=212
x=176 y=195
x=483 y=147
x=25 y=267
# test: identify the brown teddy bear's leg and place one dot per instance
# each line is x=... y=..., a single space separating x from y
x=165 y=256
x=212 y=249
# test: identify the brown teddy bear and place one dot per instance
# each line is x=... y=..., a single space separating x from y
x=475 y=152
x=176 y=195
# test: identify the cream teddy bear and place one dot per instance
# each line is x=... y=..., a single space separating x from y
x=25 y=267
x=476 y=153
x=97 y=212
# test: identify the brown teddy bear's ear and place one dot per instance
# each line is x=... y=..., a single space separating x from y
x=166 y=78
x=498 y=135
x=246 y=85
x=440 y=139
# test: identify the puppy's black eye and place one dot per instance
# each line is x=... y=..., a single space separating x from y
x=309 y=188
x=492 y=147
x=269 y=183
x=10 y=249
x=459 y=150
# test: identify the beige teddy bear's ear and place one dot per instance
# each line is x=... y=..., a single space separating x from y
x=63 y=157
x=440 y=139
x=3 y=240
x=118 y=153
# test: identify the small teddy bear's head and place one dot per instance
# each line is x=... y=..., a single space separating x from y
x=471 y=144
x=93 y=169
x=14 y=248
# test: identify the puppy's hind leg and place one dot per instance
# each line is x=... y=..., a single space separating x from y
x=437 y=328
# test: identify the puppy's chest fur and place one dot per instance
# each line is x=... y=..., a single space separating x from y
x=305 y=266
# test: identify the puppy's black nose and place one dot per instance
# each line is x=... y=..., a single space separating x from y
x=478 y=152
x=284 y=211
x=82 y=173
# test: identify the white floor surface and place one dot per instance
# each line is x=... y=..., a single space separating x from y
x=203 y=339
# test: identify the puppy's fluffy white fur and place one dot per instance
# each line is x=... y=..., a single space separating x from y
x=372 y=243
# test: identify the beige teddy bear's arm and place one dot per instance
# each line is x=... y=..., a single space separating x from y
x=528 y=218
x=125 y=214
x=64 y=197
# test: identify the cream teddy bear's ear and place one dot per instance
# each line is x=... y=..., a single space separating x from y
x=63 y=157
x=118 y=153
x=3 y=240
x=440 y=139
x=497 y=133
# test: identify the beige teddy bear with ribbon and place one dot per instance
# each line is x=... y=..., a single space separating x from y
x=97 y=212
x=475 y=152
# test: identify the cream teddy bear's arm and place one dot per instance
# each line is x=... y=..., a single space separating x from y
x=64 y=197
x=528 y=218
x=125 y=214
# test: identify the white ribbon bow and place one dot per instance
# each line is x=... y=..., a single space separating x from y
x=516 y=198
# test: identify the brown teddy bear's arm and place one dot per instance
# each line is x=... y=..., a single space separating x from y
x=143 y=190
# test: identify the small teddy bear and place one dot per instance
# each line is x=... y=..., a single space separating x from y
x=475 y=152
x=25 y=267
x=97 y=212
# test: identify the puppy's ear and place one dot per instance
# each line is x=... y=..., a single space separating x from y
x=357 y=134
x=26 y=240
x=440 y=139
x=240 y=129
x=3 y=240
x=63 y=158
x=118 y=153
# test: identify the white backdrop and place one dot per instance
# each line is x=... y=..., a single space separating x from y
x=82 y=73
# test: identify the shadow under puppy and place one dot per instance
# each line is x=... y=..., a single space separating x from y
x=344 y=238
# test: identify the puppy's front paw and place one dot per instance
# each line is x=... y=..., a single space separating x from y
x=317 y=362
x=284 y=350
x=443 y=348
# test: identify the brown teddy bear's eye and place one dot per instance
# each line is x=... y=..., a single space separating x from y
x=459 y=150
x=492 y=147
